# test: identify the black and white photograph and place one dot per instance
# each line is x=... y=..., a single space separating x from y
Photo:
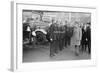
x=55 y=36
x=52 y=36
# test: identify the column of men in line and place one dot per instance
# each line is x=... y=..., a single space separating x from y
x=61 y=36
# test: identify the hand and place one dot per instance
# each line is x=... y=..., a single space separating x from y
x=51 y=39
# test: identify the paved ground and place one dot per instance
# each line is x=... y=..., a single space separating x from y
x=41 y=53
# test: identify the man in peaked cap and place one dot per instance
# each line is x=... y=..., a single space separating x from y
x=53 y=39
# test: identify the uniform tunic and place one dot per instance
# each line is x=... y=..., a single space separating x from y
x=61 y=37
x=54 y=39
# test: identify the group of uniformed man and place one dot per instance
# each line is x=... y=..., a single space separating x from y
x=60 y=36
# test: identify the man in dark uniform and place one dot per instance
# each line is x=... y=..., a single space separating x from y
x=53 y=39
x=69 y=34
x=61 y=37
x=83 y=41
x=89 y=38
x=66 y=35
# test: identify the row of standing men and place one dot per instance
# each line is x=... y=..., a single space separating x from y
x=61 y=36
x=58 y=38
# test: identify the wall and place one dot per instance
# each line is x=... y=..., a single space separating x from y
x=5 y=38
